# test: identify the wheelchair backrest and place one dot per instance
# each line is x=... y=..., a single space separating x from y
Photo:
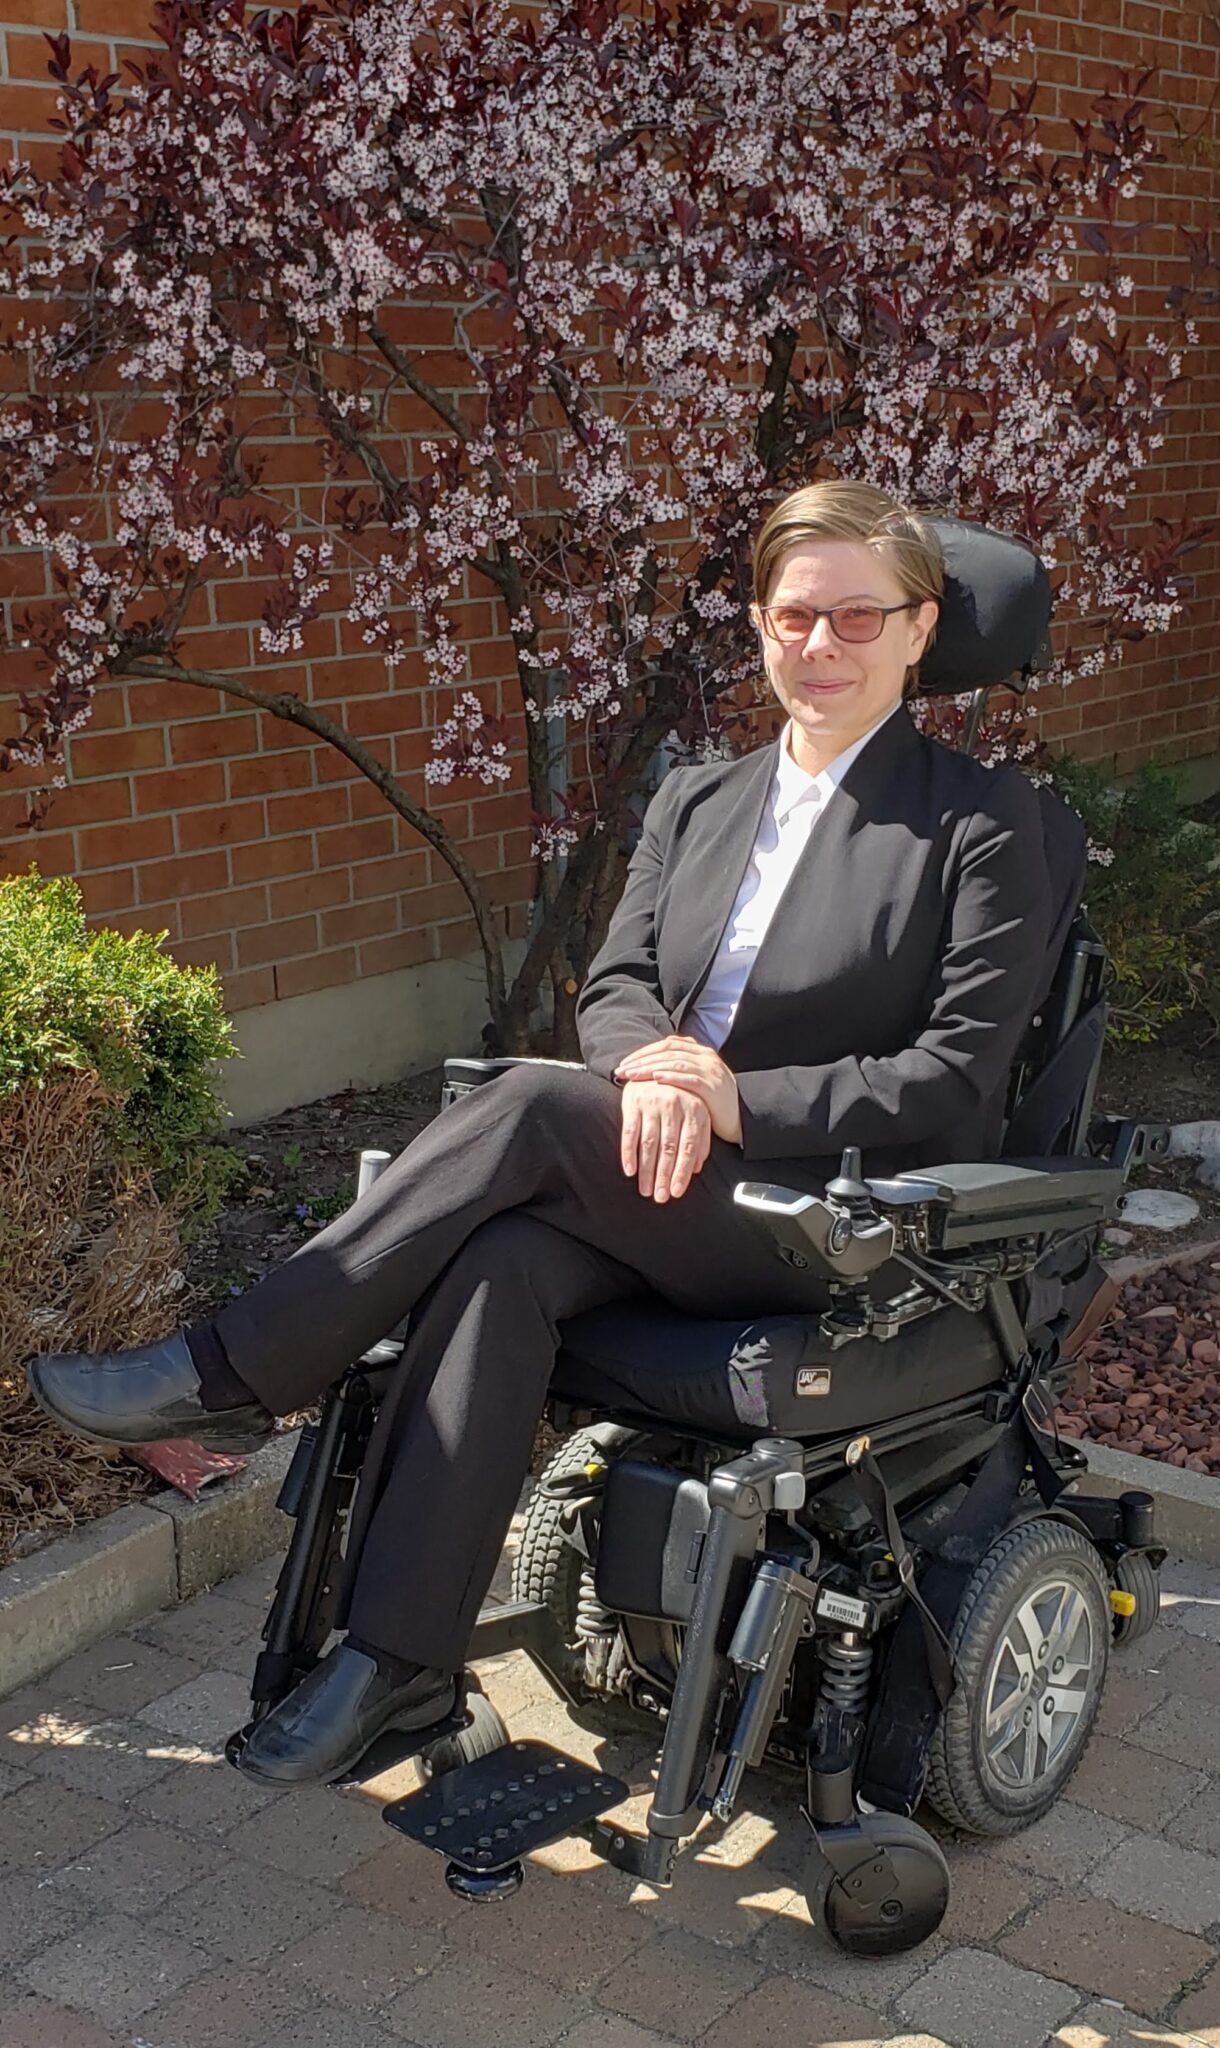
x=1054 y=1076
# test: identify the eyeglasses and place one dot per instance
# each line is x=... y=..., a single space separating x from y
x=854 y=623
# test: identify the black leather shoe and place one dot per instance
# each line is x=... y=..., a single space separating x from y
x=141 y=1397
x=325 y=1724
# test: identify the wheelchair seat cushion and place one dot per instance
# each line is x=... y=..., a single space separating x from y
x=776 y=1374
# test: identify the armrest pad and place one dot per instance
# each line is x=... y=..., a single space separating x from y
x=992 y=1185
x=461 y=1074
x=1007 y=1197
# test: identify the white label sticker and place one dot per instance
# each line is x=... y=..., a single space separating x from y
x=841 y=1607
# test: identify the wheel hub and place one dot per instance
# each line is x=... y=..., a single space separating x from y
x=1037 y=1685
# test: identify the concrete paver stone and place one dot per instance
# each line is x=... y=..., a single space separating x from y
x=241 y=1914
x=611 y=2030
x=1109 y=2026
x=360 y=1958
x=1199 y=2011
x=205 y=1710
x=1133 y=1785
x=34 y=1915
x=785 y=2011
x=28 y=2021
x=1065 y=1846
x=134 y=1870
x=226 y=2007
x=332 y=2030
x=119 y=1675
x=1163 y=1881
x=680 y=1984
x=107 y=1759
x=971 y=1995
x=43 y=1825
x=115 y=1969
x=451 y=2006
x=1094 y=1945
x=204 y=1798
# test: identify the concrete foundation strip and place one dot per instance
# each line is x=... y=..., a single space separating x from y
x=108 y=1575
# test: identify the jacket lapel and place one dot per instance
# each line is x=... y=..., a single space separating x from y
x=806 y=932
x=725 y=845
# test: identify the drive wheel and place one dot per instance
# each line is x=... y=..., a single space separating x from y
x=548 y=1566
x=1031 y=1640
x=484 y=1733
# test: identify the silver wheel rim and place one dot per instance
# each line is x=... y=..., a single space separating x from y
x=1037 y=1688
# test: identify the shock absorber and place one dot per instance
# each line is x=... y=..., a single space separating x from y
x=597 y=1629
x=594 y=1623
x=846 y=1663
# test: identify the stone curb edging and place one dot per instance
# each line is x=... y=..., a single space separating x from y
x=107 y=1575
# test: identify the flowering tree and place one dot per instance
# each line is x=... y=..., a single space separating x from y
x=692 y=257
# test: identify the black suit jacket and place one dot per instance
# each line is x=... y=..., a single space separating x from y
x=895 y=980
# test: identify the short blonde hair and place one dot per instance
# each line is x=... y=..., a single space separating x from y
x=833 y=509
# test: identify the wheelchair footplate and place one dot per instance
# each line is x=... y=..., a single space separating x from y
x=486 y=1816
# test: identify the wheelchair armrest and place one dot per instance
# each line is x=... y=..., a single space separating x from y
x=461 y=1075
x=1127 y=1141
x=977 y=1202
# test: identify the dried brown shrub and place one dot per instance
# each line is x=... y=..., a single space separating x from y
x=90 y=1260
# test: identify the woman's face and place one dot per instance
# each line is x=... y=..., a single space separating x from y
x=834 y=689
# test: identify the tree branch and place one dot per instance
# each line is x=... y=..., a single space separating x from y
x=298 y=712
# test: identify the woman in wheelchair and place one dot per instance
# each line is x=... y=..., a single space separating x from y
x=836 y=941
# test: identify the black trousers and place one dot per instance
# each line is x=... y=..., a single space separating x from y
x=508 y=1214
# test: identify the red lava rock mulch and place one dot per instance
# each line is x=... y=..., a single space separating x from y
x=1154 y=1370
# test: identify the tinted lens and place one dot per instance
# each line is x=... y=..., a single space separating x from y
x=790 y=621
x=857 y=621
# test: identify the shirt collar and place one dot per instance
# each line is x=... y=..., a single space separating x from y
x=794 y=785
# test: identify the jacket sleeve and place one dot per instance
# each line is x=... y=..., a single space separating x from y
x=620 y=1008
x=983 y=989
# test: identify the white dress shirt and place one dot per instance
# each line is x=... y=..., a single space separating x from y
x=797 y=801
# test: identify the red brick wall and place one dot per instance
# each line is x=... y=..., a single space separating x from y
x=260 y=849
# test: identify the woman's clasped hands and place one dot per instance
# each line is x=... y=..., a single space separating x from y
x=677 y=1094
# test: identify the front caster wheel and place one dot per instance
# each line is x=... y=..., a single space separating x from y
x=483 y=1733
x=868 y=1918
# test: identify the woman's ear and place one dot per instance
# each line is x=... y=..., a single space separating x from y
x=923 y=623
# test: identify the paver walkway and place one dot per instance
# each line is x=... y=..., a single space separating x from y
x=152 y=1898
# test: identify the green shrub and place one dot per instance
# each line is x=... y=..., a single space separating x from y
x=74 y=1000
x=1152 y=892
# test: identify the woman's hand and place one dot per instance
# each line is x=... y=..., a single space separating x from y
x=667 y=1135
x=686 y=1063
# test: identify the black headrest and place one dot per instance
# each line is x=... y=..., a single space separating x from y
x=994 y=616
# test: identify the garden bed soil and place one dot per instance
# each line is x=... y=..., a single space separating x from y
x=300 y=1167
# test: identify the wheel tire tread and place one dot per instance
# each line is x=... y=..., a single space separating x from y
x=951 y=1761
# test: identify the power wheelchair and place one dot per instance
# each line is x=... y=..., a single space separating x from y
x=848 y=1544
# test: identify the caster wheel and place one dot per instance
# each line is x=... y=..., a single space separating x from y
x=1136 y=1576
x=908 y=1914
x=484 y=1733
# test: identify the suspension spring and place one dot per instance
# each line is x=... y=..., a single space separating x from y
x=846 y=1666
x=594 y=1623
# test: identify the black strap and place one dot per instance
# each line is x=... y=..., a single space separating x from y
x=880 y=1504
